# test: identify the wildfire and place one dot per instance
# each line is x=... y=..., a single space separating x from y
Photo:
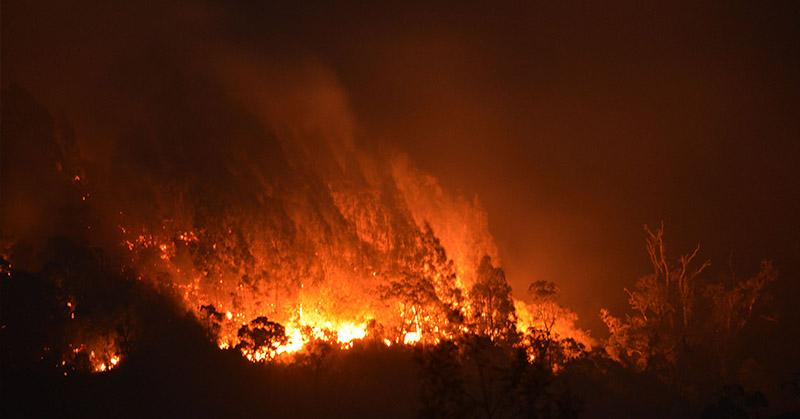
x=351 y=305
x=298 y=334
x=269 y=283
x=94 y=357
x=103 y=367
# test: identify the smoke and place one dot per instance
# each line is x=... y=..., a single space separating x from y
x=224 y=174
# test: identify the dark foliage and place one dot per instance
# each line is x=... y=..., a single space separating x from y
x=492 y=311
x=735 y=402
x=474 y=377
x=261 y=336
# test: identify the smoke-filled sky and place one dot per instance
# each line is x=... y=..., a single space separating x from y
x=572 y=124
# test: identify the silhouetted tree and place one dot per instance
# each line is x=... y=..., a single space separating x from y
x=546 y=311
x=441 y=392
x=474 y=377
x=261 y=336
x=213 y=319
x=492 y=311
x=316 y=355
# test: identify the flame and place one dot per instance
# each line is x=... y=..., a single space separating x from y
x=348 y=332
x=99 y=361
x=411 y=338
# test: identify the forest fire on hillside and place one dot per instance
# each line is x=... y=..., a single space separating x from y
x=421 y=302
x=333 y=247
x=395 y=210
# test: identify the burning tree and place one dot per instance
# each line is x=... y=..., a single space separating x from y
x=427 y=291
x=550 y=336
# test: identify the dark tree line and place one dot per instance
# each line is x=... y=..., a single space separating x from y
x=474 y=376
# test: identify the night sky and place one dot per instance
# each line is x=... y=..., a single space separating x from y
x=573 y=124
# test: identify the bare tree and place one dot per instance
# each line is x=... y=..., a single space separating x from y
x=658 y=330
x=670 y=330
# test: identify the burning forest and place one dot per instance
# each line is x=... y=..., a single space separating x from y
x=195 y=224
x=272 y=256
